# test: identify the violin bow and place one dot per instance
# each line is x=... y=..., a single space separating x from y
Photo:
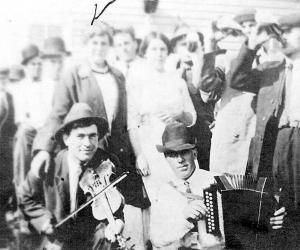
x=123 y=176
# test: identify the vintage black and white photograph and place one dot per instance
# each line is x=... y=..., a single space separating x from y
x=149 y=124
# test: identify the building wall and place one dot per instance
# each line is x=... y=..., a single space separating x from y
x=34 y=20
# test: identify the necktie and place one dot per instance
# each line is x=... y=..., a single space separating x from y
x=189 y=191
x=188 y=188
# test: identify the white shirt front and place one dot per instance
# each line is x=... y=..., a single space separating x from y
x=35 y=102
x=74 y=173
x=294 y=100
x=169 y=229
x=110 y=94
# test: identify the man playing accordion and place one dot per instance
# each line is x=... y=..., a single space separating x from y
x=179 y=211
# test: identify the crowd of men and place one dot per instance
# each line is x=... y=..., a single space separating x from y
x=61 y=119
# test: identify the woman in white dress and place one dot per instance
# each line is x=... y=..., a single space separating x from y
x=155 y=98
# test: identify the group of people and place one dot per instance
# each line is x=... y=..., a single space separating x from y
x=170 y=113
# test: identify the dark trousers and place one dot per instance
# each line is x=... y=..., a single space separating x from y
x=286 y=172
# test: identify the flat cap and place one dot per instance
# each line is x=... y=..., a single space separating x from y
x=245 y=15
x=289 y=21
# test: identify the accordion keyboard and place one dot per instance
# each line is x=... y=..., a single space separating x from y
x=212 y=217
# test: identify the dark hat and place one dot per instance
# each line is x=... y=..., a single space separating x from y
x=4 y=71
x=16 y=73
x=245 y=15
x=289 y=21
x=176 y=137
x=54 y=46
x=81 y=112
x=29 y=52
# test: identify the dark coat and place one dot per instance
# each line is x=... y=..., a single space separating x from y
x=80 y=85
x=201 y=130
x=267 y=81
x=46 y=199
x=212 y=82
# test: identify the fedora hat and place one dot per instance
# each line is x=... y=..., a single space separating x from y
x=29 y=52
x=176 y=137
x=81 y=112
x=54 y=46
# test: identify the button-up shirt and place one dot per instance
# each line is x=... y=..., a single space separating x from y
x=110 y=94
x=74 y=173
x=169 y=228
x=294 y=100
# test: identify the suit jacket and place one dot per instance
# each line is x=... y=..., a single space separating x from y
x=267 y=81
x=46 y=199
x=79 y=85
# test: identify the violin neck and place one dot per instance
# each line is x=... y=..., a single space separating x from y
x=108 y=210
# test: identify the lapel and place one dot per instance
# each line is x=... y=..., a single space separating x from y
x=62 y=181
x=122 y=103
x=90 y=85
x=90 y=88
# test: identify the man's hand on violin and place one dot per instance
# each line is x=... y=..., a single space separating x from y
x=112 y=230
x=48 y=228
x=277 y=220
x=142 y=165
x=195 y=210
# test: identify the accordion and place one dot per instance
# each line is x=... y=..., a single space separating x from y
x=239 y=210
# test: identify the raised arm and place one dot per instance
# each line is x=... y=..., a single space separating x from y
x=241 y=75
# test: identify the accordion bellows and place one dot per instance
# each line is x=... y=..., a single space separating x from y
x=239 y=210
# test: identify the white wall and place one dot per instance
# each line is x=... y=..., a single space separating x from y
x=24 y=21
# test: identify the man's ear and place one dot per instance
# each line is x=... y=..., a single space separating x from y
x=195 y=153
x=66 y=139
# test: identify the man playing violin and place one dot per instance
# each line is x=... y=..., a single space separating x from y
x=180 y=208
x=47 y=199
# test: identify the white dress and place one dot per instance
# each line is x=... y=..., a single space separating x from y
x=149 y=93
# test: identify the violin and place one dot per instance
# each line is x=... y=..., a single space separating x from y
x=107 y=203
x=106 y=199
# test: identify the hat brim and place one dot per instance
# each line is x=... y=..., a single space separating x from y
x=164 y=149
x=26 y=60
x=101 y=124
x=62 y=53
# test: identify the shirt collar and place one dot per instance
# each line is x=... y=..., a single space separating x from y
x=73 y=164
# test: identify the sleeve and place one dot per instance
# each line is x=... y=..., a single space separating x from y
x=132 y=109
x=187 y=102
x=212 y=78
x=61 y=104
x=3 y=108
x=32 y=202
x=168 y=224
x=241 y=76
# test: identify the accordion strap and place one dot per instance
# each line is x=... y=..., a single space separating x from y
x=262 y=185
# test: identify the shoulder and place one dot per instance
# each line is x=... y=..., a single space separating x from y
x=116 y=73
x=205 y=177
x=102 y=155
